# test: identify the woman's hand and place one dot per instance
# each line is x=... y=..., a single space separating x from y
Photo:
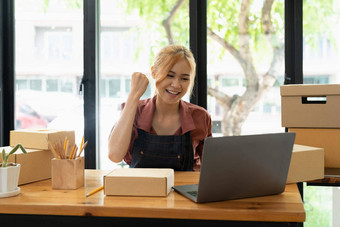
x=139 y=83
x=120 y=137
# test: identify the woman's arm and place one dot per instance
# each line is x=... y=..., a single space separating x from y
x=120 y=136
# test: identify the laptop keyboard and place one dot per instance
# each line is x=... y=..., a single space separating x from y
x=193 y=193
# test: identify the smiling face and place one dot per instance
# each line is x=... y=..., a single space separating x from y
x=167 y=58
x=175 y=84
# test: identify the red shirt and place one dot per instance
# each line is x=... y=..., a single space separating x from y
x=193 y=118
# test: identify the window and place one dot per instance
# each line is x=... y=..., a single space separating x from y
x=230 y=82
x=21 y=84
x=52 y=85
x=54 y=44
x=239 y=65
x=49 y=65
x=131 y=34
x=114 y=88
x=321 y=55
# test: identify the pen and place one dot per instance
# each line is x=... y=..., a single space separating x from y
x=94 y=191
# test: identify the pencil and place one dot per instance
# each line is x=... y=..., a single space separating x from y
x=65 y=143
x=82 y=149
x=81 y=143
x=71 y=155
x=60 y=150
x=53 y=150
x=95 y=190
x=75 y=152
x=66 y=150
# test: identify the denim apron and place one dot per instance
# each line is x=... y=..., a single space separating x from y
x=155 y=151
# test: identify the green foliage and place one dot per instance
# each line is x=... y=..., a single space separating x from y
x=153 y=13
x=320 y=17
x=6 y=156
x=223 y=18
x=318 y=206
x=71 y=4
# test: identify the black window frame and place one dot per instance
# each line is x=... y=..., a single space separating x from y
x=90 y=83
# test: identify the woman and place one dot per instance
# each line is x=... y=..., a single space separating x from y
x=163 y=131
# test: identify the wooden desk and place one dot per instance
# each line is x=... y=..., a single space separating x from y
x=37 y=201
x=332 y=178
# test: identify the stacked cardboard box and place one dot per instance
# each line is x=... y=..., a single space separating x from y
x=139 y=182
x=312 y=112
x=306 y=164
x=36 y=164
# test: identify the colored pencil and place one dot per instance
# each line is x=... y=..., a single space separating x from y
x=94 y=191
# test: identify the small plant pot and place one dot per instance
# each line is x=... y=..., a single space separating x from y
x=9 y=178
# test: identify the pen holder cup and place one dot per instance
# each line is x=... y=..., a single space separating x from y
x=67 y=173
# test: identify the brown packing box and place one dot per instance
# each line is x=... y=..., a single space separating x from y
x=37 y=139
x=35 y=165
x=68 y=173
x=307 y=163
x=326 y=138
x=298 y=111
x=139 y=182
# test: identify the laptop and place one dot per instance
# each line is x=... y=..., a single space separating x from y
x=235 y=167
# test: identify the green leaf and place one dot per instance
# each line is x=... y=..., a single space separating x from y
x=3 y=154
x=14 y=150
x=22 y=149
x=5 y=157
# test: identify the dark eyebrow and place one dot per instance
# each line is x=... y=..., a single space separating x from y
x=181 y=75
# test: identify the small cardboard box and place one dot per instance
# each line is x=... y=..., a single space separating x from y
x=307 y=163
x=139 y=182
x=326 y=138
x=35 y=165
x=68 y=173
x=310 y=106
x=38 y=139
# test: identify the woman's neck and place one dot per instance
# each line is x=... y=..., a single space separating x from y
x=166 y=119
x=164 y=109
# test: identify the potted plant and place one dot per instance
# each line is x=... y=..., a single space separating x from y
x=9 y=173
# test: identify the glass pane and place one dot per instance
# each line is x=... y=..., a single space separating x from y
x=21 y=84
x=321 y=57
x=114 y=88
x=321 y=42
x=245 y=66
x=131 y=34
x=51 y=85
x=36 y=85
x=49 y=64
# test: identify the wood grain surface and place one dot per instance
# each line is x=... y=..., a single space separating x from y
x=39 y=198
x=332 y=176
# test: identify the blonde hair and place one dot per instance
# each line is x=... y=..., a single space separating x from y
x=168 y=57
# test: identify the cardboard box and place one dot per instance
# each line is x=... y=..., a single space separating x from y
x=302 y=106
x=139 y=182
x=307 y=163
x=68 y=173
x=35 y=165
x=328 y=139
x=38 y=139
